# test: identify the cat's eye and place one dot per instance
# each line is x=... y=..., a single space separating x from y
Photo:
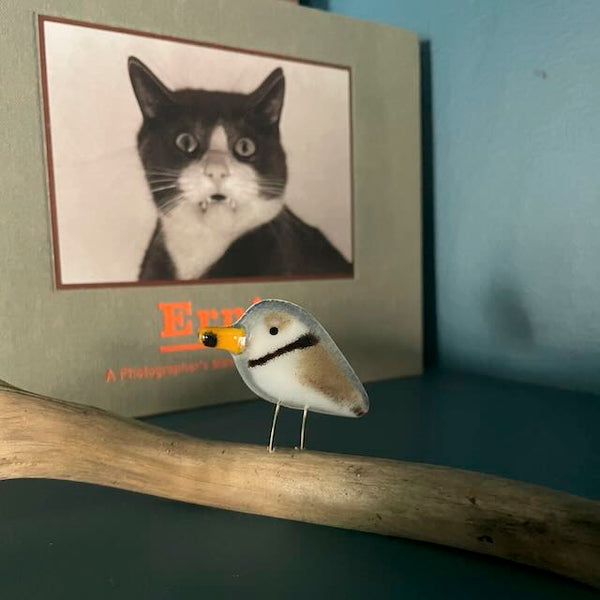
x=186 y=142
x=273 y=331
x=245 y=147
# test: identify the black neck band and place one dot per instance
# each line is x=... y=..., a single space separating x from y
x=304 y=341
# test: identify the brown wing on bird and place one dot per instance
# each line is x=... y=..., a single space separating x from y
x=319 y=370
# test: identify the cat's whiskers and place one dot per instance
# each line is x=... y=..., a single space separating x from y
x=271 y=192
x=272 y=179
x=271 y=186
x=151 y=178
x=155 y=176
x=163 y=188
x=262 y=189
x=266 y=179
x=162 y=179
x=171 y=204
x=259 y=185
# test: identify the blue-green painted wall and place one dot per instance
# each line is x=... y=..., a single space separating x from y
x=516 y=180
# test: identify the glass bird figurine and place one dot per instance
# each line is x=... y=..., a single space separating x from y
x=285 y=356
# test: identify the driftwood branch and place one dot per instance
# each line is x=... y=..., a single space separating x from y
x=45 y=438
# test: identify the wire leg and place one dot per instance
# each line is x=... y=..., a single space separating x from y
x=302 y=431
x=273 y=427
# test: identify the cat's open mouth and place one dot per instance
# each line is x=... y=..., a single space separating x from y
x=218 y=199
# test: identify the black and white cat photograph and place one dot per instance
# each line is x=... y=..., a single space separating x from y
x=217 y=171
x=181 y=162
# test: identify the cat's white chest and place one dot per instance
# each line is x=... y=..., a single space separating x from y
x=191 y=242
x=195 y=238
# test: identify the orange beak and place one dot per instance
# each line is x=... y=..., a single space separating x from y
x=232 y=339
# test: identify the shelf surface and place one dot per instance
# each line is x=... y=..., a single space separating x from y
x=67 y=540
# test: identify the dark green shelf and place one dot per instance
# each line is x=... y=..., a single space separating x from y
x=66 y=540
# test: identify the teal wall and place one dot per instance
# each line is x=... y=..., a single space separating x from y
x=515 y=136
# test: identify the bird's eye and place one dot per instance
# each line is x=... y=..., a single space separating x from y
x=245 y=147
x=273 y=331
x=186 y=142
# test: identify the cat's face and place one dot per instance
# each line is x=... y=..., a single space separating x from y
x=211 y=154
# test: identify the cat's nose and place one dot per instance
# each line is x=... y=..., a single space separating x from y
x=216 y=169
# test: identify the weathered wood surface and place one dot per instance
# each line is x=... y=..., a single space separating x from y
x=45 y=438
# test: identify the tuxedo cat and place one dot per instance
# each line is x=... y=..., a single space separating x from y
x=217 y=172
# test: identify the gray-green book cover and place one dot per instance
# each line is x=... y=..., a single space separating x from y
x=166 y=166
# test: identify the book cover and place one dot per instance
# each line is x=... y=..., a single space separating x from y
x=167 y=168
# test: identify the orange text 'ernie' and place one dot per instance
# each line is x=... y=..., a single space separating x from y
x=179 y=320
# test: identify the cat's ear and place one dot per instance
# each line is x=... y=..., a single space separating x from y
x=266 y=101
x=150 y=92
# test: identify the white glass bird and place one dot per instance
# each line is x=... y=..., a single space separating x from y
x=285 y=356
